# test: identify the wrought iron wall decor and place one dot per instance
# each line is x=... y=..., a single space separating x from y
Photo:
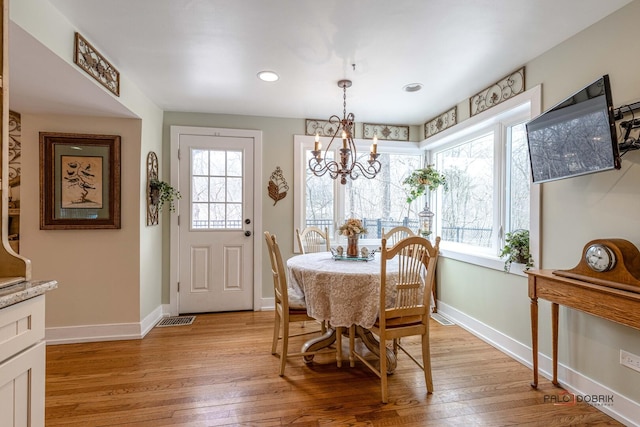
x=152 y=173
x=94 y=64
x=440 y=123
x=387 y=132
x=505 y=88
x=320 y=127
x=15 y=149
x=278 y=186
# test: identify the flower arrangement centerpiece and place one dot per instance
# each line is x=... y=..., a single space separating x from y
x=352 y=228
x=421 y=179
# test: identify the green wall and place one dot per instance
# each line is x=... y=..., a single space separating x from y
x=574 y=211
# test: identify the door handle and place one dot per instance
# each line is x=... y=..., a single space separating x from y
x=247 y=233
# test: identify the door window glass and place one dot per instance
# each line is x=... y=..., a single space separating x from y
x=216 y=189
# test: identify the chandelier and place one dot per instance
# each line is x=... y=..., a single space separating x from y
x=348 y=166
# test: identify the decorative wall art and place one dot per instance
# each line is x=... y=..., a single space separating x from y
x=506 y=88
x=386 y=132
x=15 y=149
x=320 y=127
x=152 y=174
x=79 y=181
x=440 y=123
x=94 y=64
x=278 y=186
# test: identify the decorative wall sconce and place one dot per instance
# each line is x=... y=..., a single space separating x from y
x=152 y=174
x=159 y=193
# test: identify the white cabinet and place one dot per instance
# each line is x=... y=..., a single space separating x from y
x=22 y=364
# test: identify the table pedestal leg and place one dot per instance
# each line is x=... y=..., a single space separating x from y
x=368 y=339
x=374 y=347
x=318 y=343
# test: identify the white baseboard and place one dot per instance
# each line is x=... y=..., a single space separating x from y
x=267 y=304
x=104 y=332
x=623 y=409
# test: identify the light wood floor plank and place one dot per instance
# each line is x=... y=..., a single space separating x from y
x=219 y=371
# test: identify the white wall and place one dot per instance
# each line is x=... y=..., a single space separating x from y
x=107 y=277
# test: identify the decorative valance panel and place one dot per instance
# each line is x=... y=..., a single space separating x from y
x=389 y=132
x=440 y=123
x=506 y=88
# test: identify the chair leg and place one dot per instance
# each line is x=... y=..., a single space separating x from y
x=352 y=339
x=426 y=362
x=276 y=332
x=339 y=346
x=383 y=370
x=285 y=346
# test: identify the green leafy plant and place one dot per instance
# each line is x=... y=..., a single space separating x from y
x=162 y=193
x=421 y=179
x=516 y=249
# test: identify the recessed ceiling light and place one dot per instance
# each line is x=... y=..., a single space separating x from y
x=412 y=87
x=268 y=76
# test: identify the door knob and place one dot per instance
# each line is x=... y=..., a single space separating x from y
x=247 y=233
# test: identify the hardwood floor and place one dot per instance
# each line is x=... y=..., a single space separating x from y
x=220 y=371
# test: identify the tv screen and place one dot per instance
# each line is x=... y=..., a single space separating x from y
x=576 y=137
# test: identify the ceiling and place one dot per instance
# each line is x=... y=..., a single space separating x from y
x=203 y=55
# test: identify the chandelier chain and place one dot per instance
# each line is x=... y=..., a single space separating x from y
x=344 y=101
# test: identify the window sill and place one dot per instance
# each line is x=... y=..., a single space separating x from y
x=451 y=251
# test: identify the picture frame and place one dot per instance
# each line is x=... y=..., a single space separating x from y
x=79 y=181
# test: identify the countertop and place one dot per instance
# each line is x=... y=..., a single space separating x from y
x=24 y=290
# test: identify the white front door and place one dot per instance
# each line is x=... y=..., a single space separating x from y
x=216 y=241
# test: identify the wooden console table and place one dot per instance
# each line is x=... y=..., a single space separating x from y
x=609 y=303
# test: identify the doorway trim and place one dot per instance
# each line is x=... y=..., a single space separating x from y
x=174 y=235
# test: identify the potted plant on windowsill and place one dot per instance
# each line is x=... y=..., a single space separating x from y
x=516 y=250
x=161 y=193
x=421 y=179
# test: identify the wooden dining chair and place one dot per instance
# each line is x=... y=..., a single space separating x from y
x=409 y=314
x=284 y=313
x=396 y=234
x=313 y=239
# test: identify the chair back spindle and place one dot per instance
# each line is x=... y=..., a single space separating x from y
x=313 y=239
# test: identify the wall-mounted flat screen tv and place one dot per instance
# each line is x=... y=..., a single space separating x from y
x=576 y=137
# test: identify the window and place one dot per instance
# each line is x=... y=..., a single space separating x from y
x=380 y=202
x=466 y=212
x=489 y=194
x=216 y=187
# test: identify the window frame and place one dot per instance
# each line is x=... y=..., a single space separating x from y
x=306 y=142
x=522 y=107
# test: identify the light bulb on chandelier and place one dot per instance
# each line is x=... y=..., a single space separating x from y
x=348 y=166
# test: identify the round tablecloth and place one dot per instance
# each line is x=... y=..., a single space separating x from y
x=343 y=292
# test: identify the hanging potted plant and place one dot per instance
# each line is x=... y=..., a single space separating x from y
x=421 y=179
x=161 y=193
x=516 y=250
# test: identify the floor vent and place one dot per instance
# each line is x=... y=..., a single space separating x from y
x=176 y=321
x=442 y=320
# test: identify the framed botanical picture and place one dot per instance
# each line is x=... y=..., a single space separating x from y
x=79 y=181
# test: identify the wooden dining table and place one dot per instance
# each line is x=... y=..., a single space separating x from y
x=341 y=293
